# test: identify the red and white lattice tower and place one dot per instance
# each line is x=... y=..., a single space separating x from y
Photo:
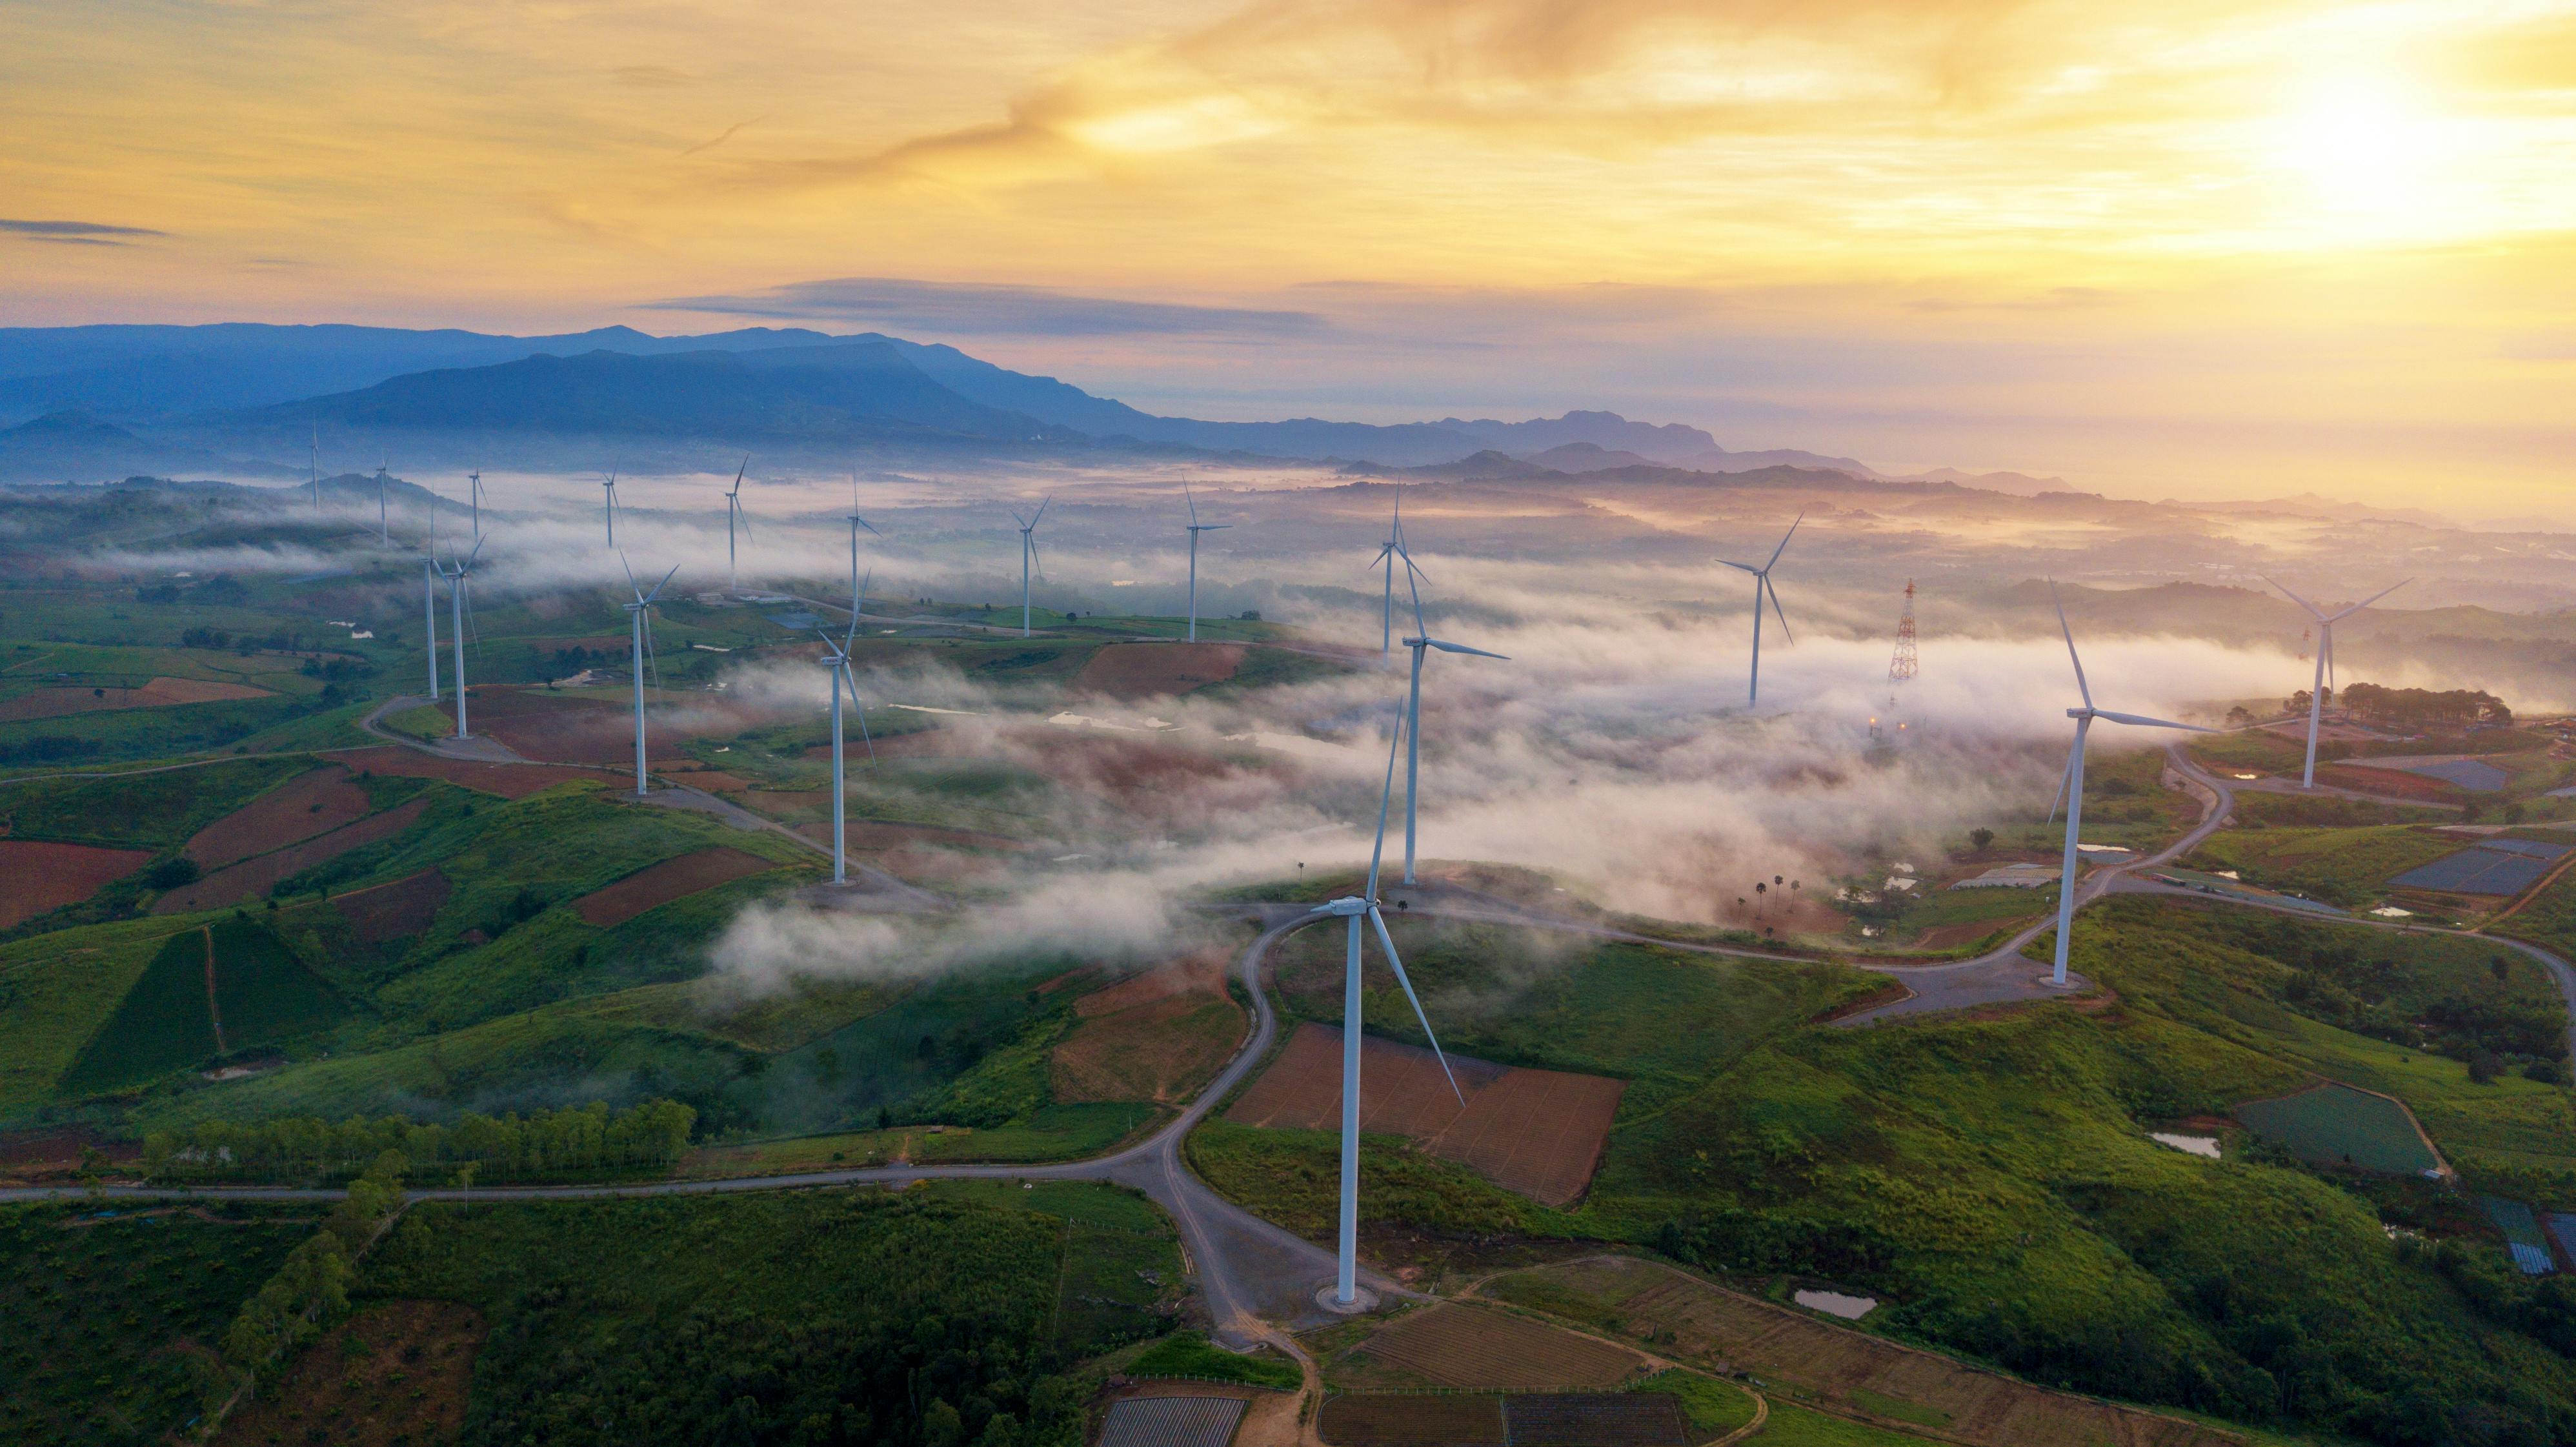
x=1904 y=664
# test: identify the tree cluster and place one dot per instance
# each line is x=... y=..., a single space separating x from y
x=576 y=1139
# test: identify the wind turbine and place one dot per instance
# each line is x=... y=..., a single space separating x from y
x=1354 y=908
x=474 y=492
x=456 y=608
x=1196 y=528
x=2325 y=663
x=2075 y=782
x=1028 y=554
x=1387 y=553
x=733 y=511
x=384 y=530
x=642 y=629
x=317 y=469
x=1761 y=588
x=611 y=506
x=429 y=597
x=1421 y=642
x=837 y=659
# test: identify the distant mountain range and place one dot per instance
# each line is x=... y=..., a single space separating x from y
x=242 y=398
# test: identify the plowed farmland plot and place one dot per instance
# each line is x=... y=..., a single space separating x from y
x=1369 y=1420
x=557 y=729
x=159 y=693
x=1155 y=1037
x=253 y=877
x=1151 y=670
x=36 y=878
x=510 y=781
x=1855 y=1373
x=391 y=911
x=307 y=805
x=1538 y=1132
x=1463 y=1346
x=669 y=880
x=1595 y=1419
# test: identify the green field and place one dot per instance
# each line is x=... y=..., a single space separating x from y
x=57 y=989
x=2337 y=1125
x=1189 y=1354
x=263 y=993
x=140 y=811
x=650 y=1320
x=2346 y=867
x=110 y=1312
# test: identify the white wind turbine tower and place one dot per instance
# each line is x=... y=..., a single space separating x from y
x=1421 y=642
x=642 y=629
x=2325 y=664
x=457 y=609
x=1196 y=528
x=610 y=505
x=733 y=514
x=2074 y=783
x=1387 y=553
x=1028 y=554
x=429 y=597
x=1761 y=588
x=384 y=529
x=474 y=494
x=317 y=469
x=836 y=657
x=1354 y=908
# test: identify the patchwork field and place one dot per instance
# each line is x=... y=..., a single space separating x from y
x=669 y=880
x=1538 y=1132
x=211 y=991
x=304 y=806
x=39 y=878
x=1451 y=1345
x=159 y=693
x=1370 y=1420
x=392 y=911
x=253 y=877
x=1157 y=1036
x=1149 y=670
x=1695 y=1321
x=2336 y=1125
x=510 y=781
x=395 y=1373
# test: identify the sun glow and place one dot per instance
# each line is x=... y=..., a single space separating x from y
x=2367 y=147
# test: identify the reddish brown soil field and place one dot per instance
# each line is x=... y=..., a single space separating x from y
x=391 y=911
x=252 y=877
x=1538 y=1132
x=159 y=693
x=1151 y=670
x=1466 y=1346
x=406 y=1384
x=669 y=880
x=556 y=729
x=33 y=1154
x=1596 y=1419
x=1157 y=1036
x=1368 y=1420
x=36 y=877
x=510 y=781
x=311 y=803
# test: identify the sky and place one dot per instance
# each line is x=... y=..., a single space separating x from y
x=2160 y=249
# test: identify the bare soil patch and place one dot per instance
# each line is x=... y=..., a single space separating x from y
x=1965 y=932
x=1465 y=1346
x=510 y=781
x=28 y=1155
x=1538 y=1132
x=395 y=1373
x=669 y=880
x=391 y=911
x=1369 y=1420
x=36 y=877
x=252 y=877
x=1724 y=1331
x=159 y=693
x=1157 y=1036
x=570 y=730
x=312 y=803
x=1152 y=670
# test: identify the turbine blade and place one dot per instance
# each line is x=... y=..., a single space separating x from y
x=2295 y=598
x=2063 y=779
x=1211 y=527
x=1386 y=796
x=468 y=565
x=1042 y=507
x=1768 y=587
x=857 y=708
x=737 y=475
x=1446 y=646
x=858 y=605
x=1386 y=942
x=1784 y=539
x=630 y=574
x=863 y=522
x=2144 y=722
x=666 y=582
x=1748 y=567
x=649 y=656
x=1415 y=568
x=743 y=514
x=2081 y=686
x=1192 y=499
x=2373 y=598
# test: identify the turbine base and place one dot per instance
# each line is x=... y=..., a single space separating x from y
x=2046 y=980
x=1362 y=1302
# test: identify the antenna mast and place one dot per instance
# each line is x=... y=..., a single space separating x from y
x=1904 y=665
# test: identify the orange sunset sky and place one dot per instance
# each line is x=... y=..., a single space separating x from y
x=2168 y=248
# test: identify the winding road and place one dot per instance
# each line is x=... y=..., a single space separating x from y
x=1260 y=1280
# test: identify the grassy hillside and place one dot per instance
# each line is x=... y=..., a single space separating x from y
x=2345 y=867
